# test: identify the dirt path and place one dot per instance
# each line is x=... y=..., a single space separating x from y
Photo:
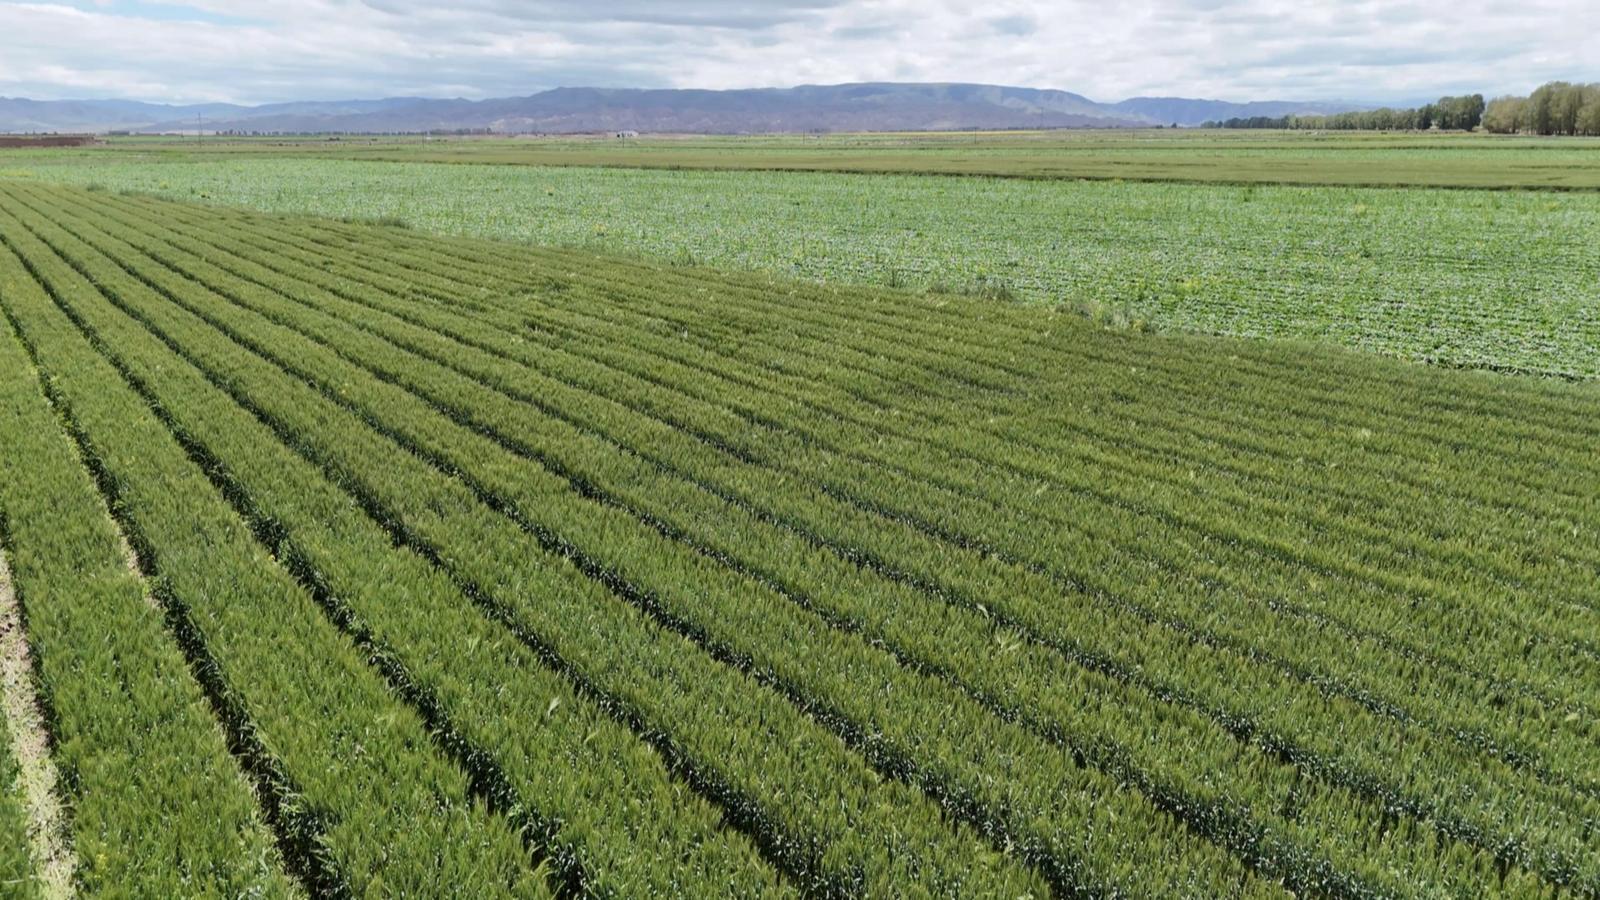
x=52 y=849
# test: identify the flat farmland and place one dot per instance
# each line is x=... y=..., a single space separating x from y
x=447 y=564
x=1493 y=279
x=1347 y=159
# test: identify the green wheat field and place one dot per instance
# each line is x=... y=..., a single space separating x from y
x=485 y=518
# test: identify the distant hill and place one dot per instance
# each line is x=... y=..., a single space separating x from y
x=22 y=115
x=844 y=107
x=851 y=107
x=1183 y=111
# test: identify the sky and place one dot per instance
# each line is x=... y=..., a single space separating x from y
x=189 y=51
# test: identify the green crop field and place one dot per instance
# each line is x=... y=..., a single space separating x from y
x=364 y=561
x=1188 y=155
x=1496 y=279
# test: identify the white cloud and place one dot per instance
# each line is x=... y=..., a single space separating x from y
x=199 y=50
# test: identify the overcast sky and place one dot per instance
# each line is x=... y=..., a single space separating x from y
x=205 y=50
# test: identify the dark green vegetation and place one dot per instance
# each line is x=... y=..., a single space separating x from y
x=1464 y=113
x=1191 y=156
x=532 y=570
x=1559 y=107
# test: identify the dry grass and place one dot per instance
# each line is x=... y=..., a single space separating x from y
x=52 y=850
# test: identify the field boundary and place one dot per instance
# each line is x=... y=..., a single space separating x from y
x=1003 y=176
x=48 y=827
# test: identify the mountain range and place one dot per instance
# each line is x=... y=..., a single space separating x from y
x=844 y=107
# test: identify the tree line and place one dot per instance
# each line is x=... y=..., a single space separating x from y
x=1559 y=107
x=1448 y=113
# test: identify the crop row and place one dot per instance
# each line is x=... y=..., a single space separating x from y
x=131 y=733
x=912 y=730
x=980 y=647
x=1026 y=339
x=999 y=686
x=742 y=511
x=602 y=343
x=580 y=327
x=1387 y=430
x=1147 y=482
x=1168 y=476
x=1151 y=369
x=348 y=776
x=1408 y=545
x=1030 y=343
x=676 y=694
x=394 y=375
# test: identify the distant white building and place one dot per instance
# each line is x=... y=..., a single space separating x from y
x=627 y=134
